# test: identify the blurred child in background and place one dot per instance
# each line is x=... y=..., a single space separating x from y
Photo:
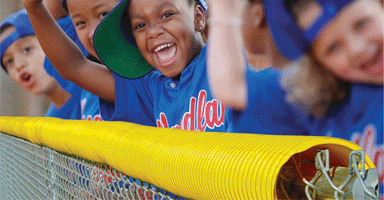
x=23 y=59
x=333 y=87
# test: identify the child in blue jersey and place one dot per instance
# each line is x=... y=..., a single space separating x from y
x=89 y=103
x=332 y=87
x=22 y=58
x=167 y=36
x=135 y=38
x=79 y=26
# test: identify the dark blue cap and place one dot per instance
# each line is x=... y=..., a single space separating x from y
x=289 y=38
x=23 y=28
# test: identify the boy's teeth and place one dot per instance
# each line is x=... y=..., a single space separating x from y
x=162 y=47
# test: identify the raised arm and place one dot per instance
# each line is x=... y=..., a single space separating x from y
x=66 y=56
x=226 y=59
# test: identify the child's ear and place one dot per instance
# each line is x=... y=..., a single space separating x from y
x=199 y=18
x=257 y=10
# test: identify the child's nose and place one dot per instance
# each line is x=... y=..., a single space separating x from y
x=154 y=30
x=90 y=36
x=92 y=31
x=356 y=46
x=20 y=62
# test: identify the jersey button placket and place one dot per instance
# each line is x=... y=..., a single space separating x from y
x=173 y=85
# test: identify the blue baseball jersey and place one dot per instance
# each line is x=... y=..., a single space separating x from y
x=358 y=119
x=267 y=111
x=156 y=100
x=90 y=109
x=70 y=110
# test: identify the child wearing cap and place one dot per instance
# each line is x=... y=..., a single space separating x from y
x=90 y=13
x=333 y=85
x=89 y=102
x=134 y=38
x=22 y=58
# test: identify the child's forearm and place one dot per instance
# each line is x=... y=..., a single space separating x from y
x=59 y=49
x=226 y=60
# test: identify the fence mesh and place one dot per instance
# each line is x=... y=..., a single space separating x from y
x=29 y=171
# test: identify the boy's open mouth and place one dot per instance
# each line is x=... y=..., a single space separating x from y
x=26 y=79
x=166 y=53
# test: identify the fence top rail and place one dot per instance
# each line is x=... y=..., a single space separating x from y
x=196 y=165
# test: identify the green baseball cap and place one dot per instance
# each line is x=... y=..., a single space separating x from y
x=116 y=46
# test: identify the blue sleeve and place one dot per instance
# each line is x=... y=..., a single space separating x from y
x=133 y=102
x=70 y=110
x=266 y=111
x=51 y=112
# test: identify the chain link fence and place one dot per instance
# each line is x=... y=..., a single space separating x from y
x=29 y=171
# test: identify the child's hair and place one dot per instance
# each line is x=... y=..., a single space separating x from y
x=64 y=3
x=2 y=29
x=5 y=27
x=312 y=88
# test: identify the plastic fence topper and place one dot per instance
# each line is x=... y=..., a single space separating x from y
x=206 y=165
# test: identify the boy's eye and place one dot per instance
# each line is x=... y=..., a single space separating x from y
x=80 y=23
x=138 y=26
x=102 y=15
x=27 y=49
x=8 y=62
x=333 y=47
x=167 y=15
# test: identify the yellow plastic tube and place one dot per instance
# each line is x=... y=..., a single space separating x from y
x=196 y=165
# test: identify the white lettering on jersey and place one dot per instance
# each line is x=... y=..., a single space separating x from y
x=207 y=114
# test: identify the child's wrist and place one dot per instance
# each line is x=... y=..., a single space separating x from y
x=28 y=5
